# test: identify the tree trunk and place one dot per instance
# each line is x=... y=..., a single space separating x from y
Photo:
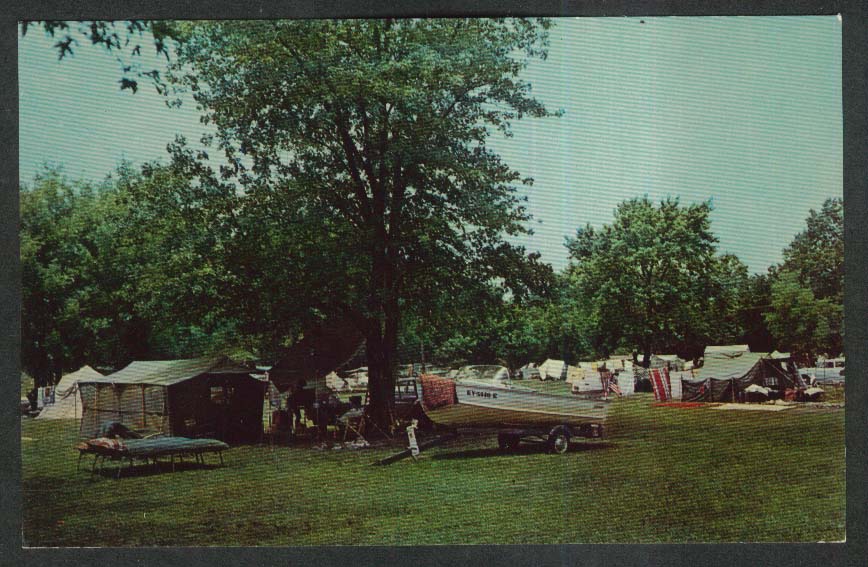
x=382 y=332
x=381 y=344
x=379 y=387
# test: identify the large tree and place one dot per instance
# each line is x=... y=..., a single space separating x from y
x=652 y=279
x=380 y=127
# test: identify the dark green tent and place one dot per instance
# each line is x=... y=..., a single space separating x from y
x=725 y=375
x=201 y=397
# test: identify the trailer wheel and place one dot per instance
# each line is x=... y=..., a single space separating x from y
x=508 y=441
x=559 y=440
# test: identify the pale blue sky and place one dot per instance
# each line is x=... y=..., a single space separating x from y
x=745 y=111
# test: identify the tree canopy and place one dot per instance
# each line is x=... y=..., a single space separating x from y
x=816 y=254
x=129 y=268
x=379 y=128
x=356 y=182
x=652 y=280
x=807 y=289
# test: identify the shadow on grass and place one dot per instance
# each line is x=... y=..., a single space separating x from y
x=523 y=449
x=143 y=470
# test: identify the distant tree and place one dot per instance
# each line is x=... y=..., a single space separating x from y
x=651 y=280
x=130 y=268
x=58 y=255
x=807 y=289
x=379 y=126
x=754 y=302
x=800 y=322
x=816 y=255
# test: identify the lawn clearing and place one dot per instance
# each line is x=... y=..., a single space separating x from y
x=664 y=475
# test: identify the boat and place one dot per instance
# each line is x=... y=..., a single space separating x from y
x=485 y=397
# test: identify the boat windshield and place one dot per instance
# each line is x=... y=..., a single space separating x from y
x=488 y=373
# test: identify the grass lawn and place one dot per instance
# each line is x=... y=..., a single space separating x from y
x=663 y=475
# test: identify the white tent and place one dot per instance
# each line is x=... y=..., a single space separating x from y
x=336 y=383
x=575 y=374
x=67 y=399
x=627 y=383
x=590 y=382
x=552 y=369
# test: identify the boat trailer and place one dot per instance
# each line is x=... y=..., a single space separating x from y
x=557 y=439
x=414 y=447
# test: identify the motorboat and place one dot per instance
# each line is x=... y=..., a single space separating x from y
x=485 y=396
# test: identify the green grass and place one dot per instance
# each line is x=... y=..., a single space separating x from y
x=664 y=475
x=834 y=393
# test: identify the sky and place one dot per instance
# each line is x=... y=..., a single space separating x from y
x=742 y=111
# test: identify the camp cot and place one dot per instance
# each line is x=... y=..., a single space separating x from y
x=202 y=397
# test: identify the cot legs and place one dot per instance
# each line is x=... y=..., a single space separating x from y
x=99 y=462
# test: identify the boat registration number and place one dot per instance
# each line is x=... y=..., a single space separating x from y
x=477 y=394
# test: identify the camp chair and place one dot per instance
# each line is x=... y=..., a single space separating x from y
x=354 y=420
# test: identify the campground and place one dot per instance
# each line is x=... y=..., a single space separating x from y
x=663 y=474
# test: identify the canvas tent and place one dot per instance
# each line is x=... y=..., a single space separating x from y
x=671 y=361
x=585 y=381
x=715 y=350
x=552 y=370
x=200 y=397
x=325 y=349
x=67 y=399
x=727 y=374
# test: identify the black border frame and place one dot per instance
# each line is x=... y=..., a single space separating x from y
x=855 y=99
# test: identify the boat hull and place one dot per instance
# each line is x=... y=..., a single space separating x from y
x=482 y=406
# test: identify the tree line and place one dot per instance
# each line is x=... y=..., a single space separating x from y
x=147 y=264
x=354 y=181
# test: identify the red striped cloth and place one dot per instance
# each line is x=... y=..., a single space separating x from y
x=437 y=391
x=662 y=385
